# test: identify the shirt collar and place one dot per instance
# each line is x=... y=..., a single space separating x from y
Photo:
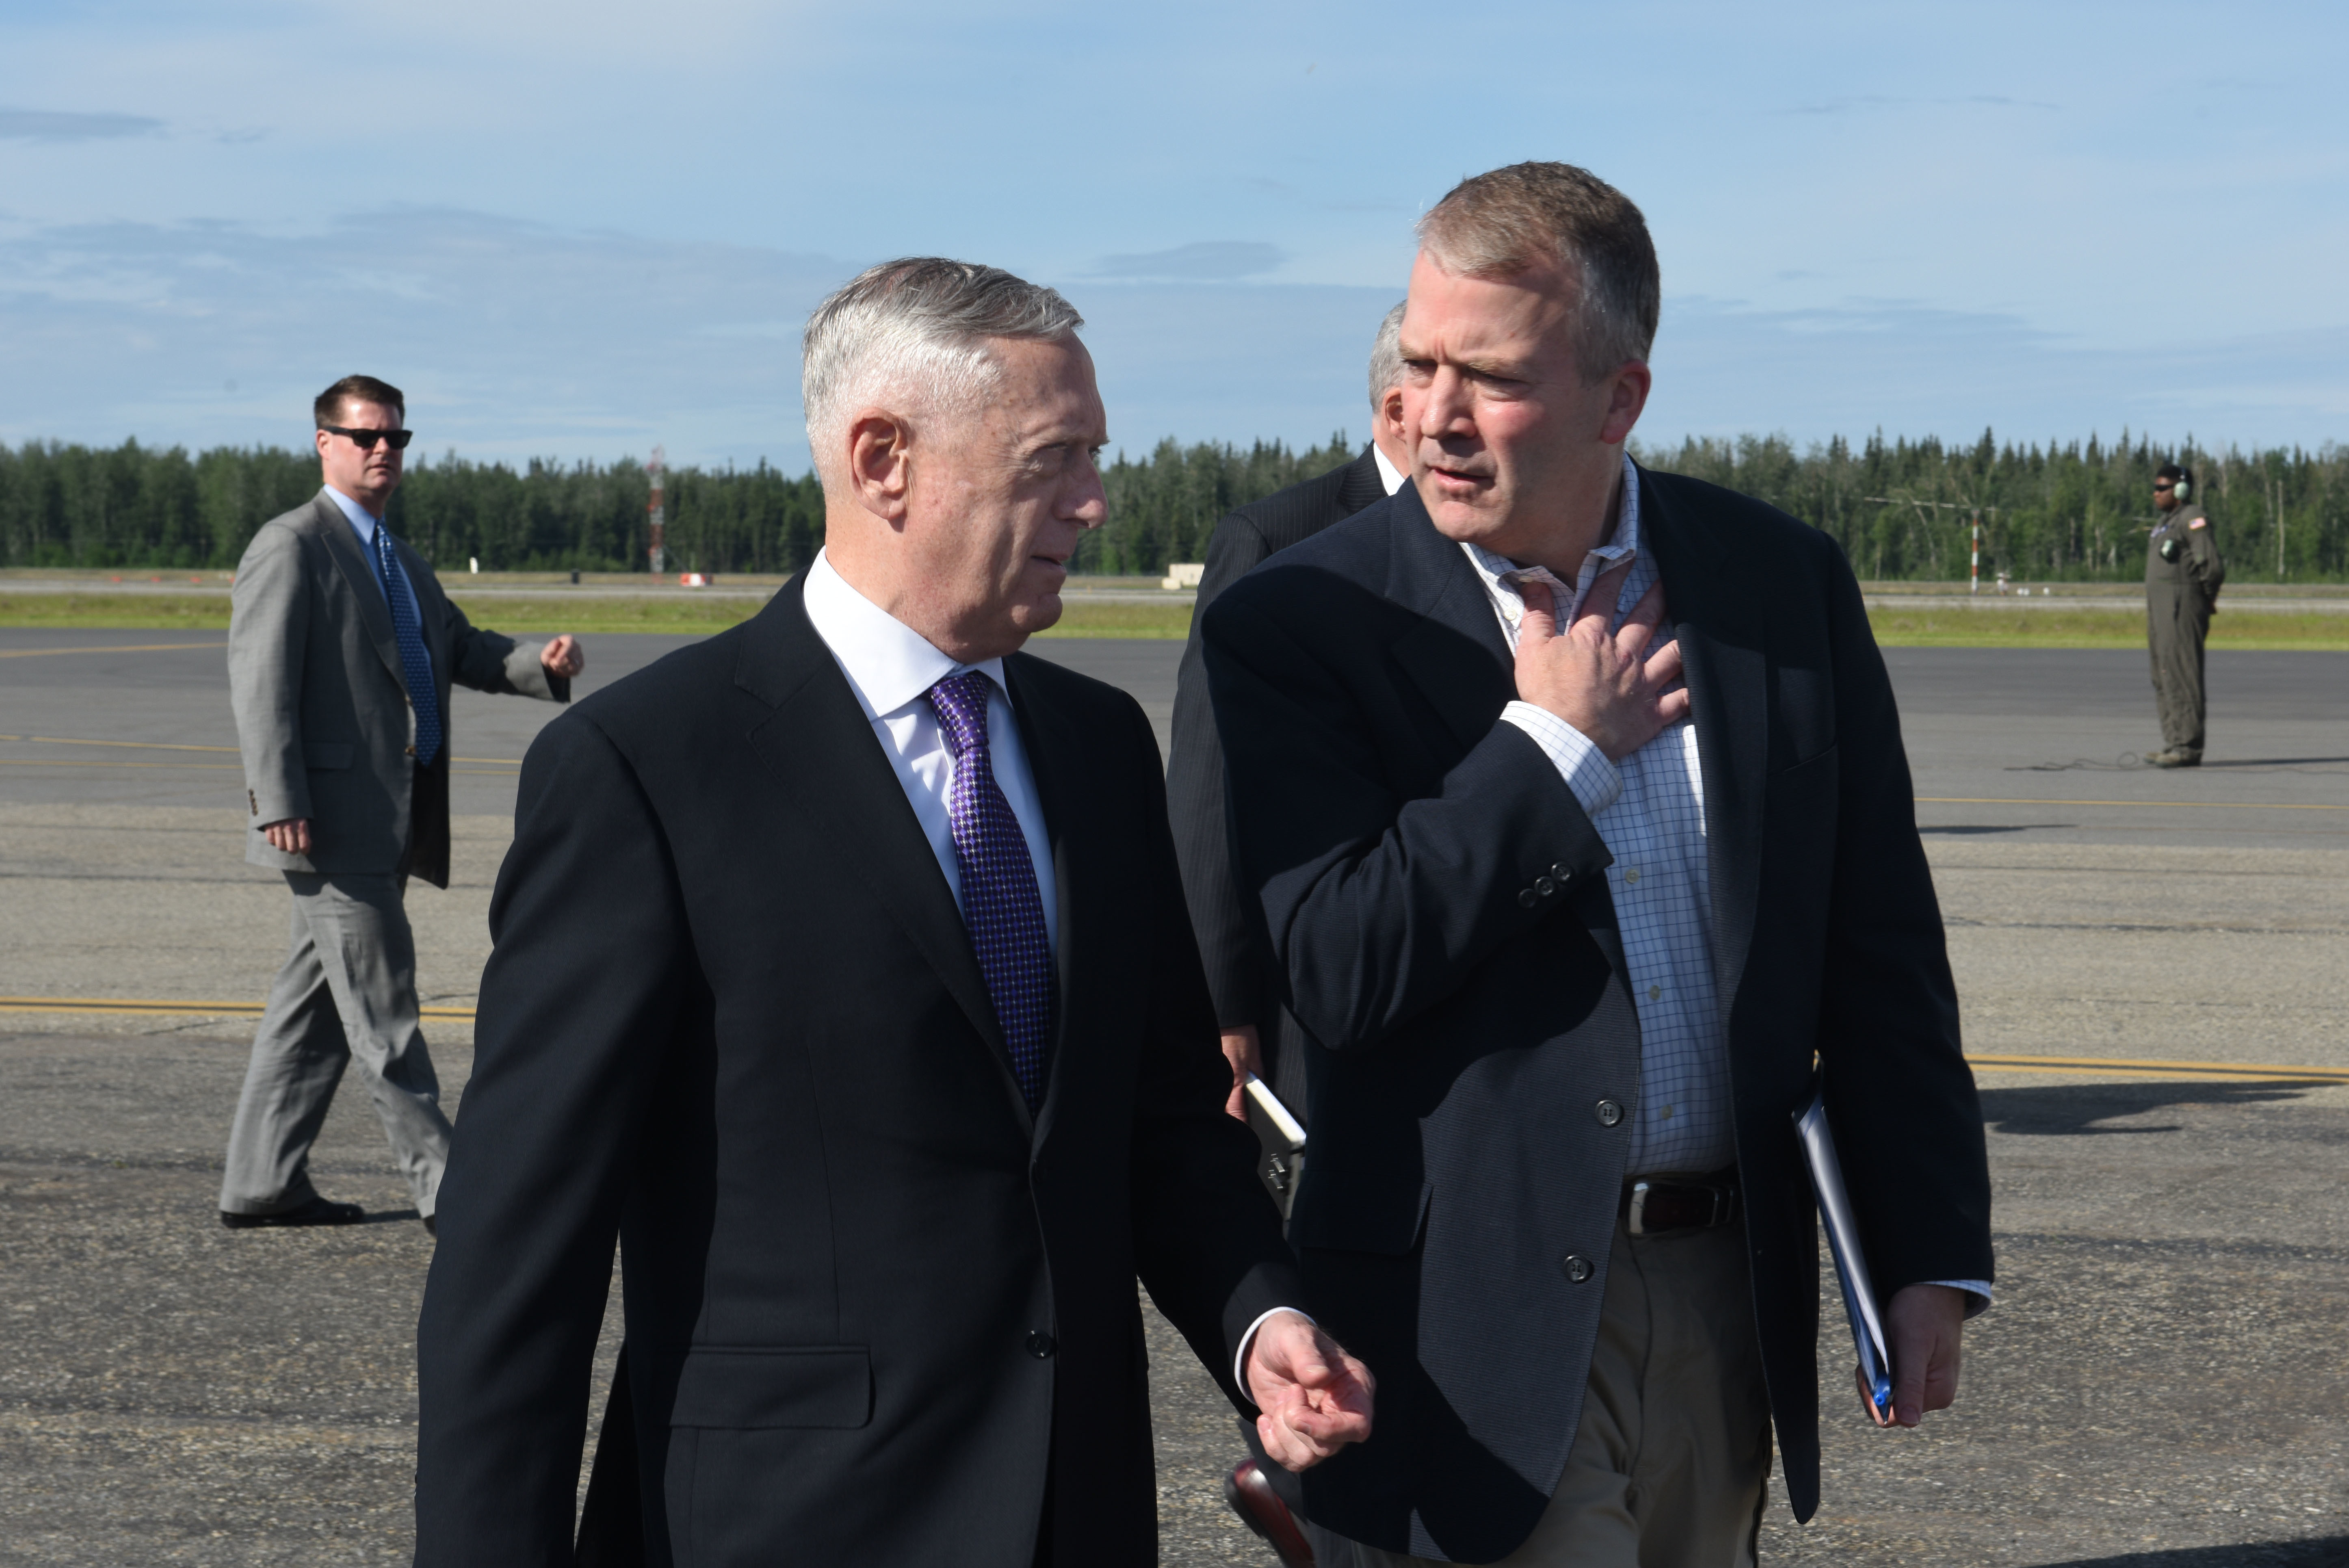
x=1501 y=575
x=888 y=663
x=1388 y=474
x=360 y=517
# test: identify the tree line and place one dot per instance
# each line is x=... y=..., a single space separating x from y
x=1899 y=508
x=2069 y=513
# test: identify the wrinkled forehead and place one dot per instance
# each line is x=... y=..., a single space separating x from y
x=1448 y=314
x=1047 y=392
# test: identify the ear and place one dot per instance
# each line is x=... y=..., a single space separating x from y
x=323 y=438
x=880 y=462
x=1626 y=398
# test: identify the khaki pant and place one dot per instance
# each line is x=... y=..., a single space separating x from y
x=345 y=994
x=1668 y=1466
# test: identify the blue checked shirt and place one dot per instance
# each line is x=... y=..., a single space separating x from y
x=1649 y=810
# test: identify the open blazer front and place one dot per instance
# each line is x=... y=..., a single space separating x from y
x=1396 y=831
x=876 y=1313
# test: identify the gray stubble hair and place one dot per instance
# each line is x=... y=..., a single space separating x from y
x=1386 y=356
x=912 y=335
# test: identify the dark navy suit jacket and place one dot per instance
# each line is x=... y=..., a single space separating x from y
x=878 y=1313
x=1395 y=833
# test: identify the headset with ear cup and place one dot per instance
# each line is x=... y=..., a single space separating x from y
x=2182 y=488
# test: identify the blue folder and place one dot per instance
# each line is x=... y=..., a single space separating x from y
x=1850 y=1261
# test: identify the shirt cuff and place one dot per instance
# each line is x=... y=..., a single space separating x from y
x=1978 y=1289
x=1239 y=1362
x=1578 y=760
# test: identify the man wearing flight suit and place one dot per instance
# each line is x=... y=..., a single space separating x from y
x=2183 y=571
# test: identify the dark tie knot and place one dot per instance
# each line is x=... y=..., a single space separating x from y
x=961 y=704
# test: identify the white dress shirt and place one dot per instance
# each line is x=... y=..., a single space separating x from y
x=1648 y=809
x=1388 y=474
x=364 y=524
x=891 y=668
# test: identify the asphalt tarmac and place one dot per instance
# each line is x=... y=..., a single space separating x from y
x=2144 y=958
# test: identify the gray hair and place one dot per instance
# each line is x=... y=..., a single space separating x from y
x=1513 y=220
x=912 y=334
x=1386 y=356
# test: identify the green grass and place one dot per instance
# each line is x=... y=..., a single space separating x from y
x=1956 y=626
x=1948 y=626
x=120 y=612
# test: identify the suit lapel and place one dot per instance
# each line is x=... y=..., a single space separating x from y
x=358 y=575
x=1455 y=653
x=819 y=744
x=1710 y=603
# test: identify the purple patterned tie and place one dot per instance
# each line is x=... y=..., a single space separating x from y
x=999 y=900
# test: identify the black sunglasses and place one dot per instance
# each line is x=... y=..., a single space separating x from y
x=366 y=439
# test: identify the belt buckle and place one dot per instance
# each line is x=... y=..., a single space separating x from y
x=1637 y=1217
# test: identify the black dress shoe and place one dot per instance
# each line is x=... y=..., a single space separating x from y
x=317 y=1211
x=1261 y=1510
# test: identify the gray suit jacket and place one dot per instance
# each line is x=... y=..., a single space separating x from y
x=322 y=709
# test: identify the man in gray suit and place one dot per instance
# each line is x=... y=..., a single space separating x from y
x=341 y=651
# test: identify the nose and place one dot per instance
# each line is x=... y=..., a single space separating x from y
x=1444 y=409
x=1089 y=499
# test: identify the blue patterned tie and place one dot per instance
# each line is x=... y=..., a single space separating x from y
x=1000 y=903
x=409 y=630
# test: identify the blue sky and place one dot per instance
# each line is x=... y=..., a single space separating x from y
x=575 y=230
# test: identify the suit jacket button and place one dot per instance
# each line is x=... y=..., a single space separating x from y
x=1562 y=874
x=1527 y=897
x=1040 y=1344
x=1545 y=887
x=1578 y=1267
x=1609 y=1113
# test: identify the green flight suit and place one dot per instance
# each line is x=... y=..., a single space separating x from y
x=2180 y=597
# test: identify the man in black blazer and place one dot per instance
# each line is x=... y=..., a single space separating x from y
x=1232 y=943
x=842 y=972
x=1231 y=937
x=1566 y=935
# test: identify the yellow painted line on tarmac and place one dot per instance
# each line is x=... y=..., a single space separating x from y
x=176 y=746
x=116 y=1006
x=502 y=772
x=123 y=647
x=2163 y=805
x=142 y=745
x=2243 y=1071
x=54 y=762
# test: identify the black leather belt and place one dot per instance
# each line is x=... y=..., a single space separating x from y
x=1656 y=1203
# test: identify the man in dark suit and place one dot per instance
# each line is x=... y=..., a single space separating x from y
x=1231 y=934
x=341 y=653
x=842 y=970
x=1231 y=937
x=1566 y=934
